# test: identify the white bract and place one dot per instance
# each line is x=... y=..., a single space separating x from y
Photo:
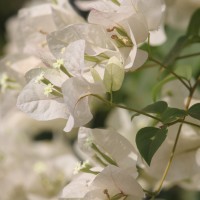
x=41 y=98
x=110 y=183
x=76 y=92
x=128 y=24
x=83 y=48
x=109 y=147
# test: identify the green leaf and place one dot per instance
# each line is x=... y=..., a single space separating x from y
x=172 y=114
x=148 y=141
x=157 y=88
x=114 y=75
x=194 y=25
x=194 y=111
x=157 y=107
x=174 y=52
x=185 y=71
x=192 y=36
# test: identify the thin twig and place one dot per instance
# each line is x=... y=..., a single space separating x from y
x=173 y=73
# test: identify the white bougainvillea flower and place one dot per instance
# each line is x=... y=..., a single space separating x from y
x=151 y=11
x=129 y=23
x=109 y=147
x=126 y=34
x=76 y=91
x=111 y=183
x=95 y=38
x=114 y=182
x=78 y=187
x=12 y=70
x=37 y=21
x=88 y=42
x=42 y=98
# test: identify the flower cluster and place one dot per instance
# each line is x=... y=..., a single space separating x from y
x=56 y=65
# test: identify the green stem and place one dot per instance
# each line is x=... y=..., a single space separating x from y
x=120 y=106
x=184 y=122
x=109 y=103
x=173 y=73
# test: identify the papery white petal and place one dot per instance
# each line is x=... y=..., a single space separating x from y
x=116 y=180
x=112 y=143
x=153 y=10
x=95 y=37
x=138 y=28
x=33 y=102
x=74 y=57
x=73 y=90
x=158 y=37
x=78 y=188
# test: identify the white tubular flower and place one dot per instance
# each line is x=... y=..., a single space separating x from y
x=48 y=89
x=40 y=78
x=58 y=64
x=82 y=166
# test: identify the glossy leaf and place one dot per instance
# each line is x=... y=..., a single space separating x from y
x=194 y=111
x=148 y=141
x=172 y=114
x=157 y=107
x=194 y=25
